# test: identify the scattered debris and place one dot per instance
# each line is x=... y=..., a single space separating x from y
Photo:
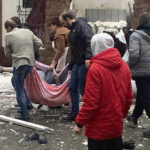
x=21 y=140
x=85 y=143
x=32 y=136
x=2 y=138
x=1 y=123
x=14 y=131
x=42 y=139
x=63 y=130
x=37 y=136
x=140 y=145
x=61 y=142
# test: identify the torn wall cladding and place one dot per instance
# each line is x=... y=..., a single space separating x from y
x=46 y=11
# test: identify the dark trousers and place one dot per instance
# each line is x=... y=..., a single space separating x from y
x=143 y=97
x=18 y=78
x=77 y=85
x=113 y=144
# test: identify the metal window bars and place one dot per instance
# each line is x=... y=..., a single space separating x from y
x=32 y=16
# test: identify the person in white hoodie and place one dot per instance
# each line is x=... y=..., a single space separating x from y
x=108 y=96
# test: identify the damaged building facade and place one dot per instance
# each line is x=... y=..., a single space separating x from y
x=38 y=14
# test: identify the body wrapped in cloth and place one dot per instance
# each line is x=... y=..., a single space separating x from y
x=41 y=86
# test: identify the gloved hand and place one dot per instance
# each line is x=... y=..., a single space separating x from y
x=1 y=69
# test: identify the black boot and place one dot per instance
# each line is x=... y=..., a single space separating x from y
x=24 y=118
x=69 y=117
x=42 y=138
x=132 y=120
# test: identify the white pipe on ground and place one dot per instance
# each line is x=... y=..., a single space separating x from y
x=25 y=124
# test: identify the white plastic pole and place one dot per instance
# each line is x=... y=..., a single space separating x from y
x=25 y=124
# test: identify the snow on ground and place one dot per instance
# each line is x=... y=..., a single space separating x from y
x=5 y=82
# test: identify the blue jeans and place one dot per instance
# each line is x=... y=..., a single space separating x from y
x=18 y=82
x=77 y=86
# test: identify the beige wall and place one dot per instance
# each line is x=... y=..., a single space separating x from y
x=81 y=5
x=9 y=9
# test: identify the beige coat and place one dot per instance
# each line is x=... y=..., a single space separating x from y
x=20 y=45
x=61 y=42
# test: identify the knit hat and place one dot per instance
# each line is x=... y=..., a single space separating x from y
x=101 y=42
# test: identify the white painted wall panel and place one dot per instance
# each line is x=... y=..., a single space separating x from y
x=81 y=5
x=9 y=9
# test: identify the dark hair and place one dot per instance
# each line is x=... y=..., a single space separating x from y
x=69 y=14
x=83 y=19
x=55 y=21
x=117 y=43
x=10 y=23
x=16 y=20
x=144 y=18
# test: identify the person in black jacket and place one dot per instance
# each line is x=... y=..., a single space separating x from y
x=79 y=37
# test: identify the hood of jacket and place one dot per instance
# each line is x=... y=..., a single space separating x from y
x=143 y=34
x=101 y=42
x=144 y=31
x=83 y=19
x=144 y=27
x=109 y=58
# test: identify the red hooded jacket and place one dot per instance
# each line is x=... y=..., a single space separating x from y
x=108 y=96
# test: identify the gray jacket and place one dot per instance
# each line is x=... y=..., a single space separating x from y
x=20 y=45
x=139 y=54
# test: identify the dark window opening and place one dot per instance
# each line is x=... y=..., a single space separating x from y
x=28 y=3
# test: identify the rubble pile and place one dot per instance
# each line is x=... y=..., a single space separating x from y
x=114 y=27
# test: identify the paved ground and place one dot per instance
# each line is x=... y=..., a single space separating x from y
x=12 y=137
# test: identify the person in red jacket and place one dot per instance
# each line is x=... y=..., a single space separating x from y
x=108 y=96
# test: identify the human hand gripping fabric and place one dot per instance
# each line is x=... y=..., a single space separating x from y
x=87 y=63
x=56 y=76
x=69 y=72
x=52 y=65
x=78 y=130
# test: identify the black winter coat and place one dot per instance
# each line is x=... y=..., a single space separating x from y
x=80 y=37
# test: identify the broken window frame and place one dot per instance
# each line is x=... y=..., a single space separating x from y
x=24 y=6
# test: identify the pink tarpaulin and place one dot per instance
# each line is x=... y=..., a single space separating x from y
x=40 y=92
